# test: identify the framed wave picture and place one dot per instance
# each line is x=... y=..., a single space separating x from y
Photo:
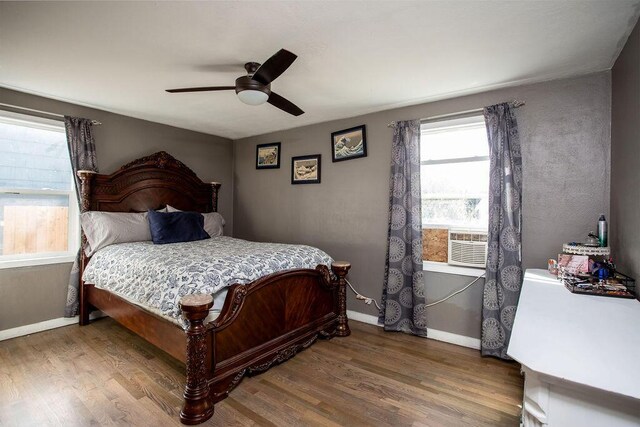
x=305 y=169
x=268 y=156
x=349 y=144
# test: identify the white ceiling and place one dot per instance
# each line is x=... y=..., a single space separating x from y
x=353 y=57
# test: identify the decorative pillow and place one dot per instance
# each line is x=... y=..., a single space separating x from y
x=108 y=228
x=213 y=222
x=175 y=227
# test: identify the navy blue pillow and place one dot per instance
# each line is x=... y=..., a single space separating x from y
x=175 y=227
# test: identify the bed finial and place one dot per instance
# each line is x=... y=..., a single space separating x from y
x=340 y=269
x=198 y=406
x=86 y=177
x=215 y=187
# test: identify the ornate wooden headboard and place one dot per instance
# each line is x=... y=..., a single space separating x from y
x=150 y=182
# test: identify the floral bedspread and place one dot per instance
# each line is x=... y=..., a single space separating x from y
x=157 y=276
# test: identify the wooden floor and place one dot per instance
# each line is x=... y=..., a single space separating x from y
x=104 y=375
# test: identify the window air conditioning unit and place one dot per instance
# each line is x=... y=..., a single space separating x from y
x=468 y=248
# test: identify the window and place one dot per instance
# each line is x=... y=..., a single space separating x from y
x=38 y=205
x=454 y=175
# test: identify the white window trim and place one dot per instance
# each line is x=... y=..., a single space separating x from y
x=447 y=123
x=443 y=267
x=38 y=259
x=73 y=231
x=437 y=126
x=32 y=121
x=455 y=160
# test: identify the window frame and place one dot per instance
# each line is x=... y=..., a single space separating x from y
x=460 y=122
x=73 y=230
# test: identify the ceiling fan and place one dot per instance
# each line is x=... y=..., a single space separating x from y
x=255 y=87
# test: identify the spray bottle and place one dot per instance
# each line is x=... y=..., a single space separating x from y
x=602 y=231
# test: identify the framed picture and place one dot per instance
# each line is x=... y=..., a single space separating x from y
x=305 y=169
x=349 y=144
x=268 y=156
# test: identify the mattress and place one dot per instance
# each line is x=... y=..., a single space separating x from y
x=155 y=277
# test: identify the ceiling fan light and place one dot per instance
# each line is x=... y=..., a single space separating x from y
x=253 y=97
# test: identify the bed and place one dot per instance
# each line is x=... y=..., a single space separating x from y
x=259 y=324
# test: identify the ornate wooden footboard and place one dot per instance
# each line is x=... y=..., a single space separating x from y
x=261 y=324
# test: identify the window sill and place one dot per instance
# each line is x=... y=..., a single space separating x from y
x=31 y=262
x=443 y=267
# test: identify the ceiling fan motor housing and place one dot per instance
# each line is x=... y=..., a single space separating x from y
x=252 y=92
x=247 y=83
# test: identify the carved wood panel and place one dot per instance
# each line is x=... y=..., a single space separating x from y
x=150 y=183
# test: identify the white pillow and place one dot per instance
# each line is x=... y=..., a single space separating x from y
x=213 y=222
x=108 y=228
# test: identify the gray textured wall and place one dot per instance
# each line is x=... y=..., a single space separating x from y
x=34 y=294
x=565 y=137
x=565 y=133
x=625 y=158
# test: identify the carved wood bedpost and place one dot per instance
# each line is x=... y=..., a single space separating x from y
x=197 y=407
x=85 y=189
x=215 y=187
x=340 y=269
x=86 y=178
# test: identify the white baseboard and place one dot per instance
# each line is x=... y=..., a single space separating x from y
x=433 y=334
x=43 y=326
x=37 y=327
x=456 y=339
x=364 y=318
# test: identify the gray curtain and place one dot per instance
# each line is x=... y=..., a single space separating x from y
x=82 y=152
x=504 y=260
x=403 y=295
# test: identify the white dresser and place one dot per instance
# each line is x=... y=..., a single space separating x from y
x=580 y=355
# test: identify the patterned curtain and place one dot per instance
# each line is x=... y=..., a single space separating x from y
x=504 y=259
x=403 y=295
x=82 y=152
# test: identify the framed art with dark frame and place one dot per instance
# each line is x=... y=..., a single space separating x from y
x=305 y=169
x=349 y=144
x=268 y=156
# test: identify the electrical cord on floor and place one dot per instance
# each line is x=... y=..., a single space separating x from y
x=368 y=300
x=456 y=292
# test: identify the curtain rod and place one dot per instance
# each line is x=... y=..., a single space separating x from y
x=31 y=110
x=514 y=104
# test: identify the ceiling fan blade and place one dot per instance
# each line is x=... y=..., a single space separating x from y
x=200 y=89
x=274 y=66
x=284 y=104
